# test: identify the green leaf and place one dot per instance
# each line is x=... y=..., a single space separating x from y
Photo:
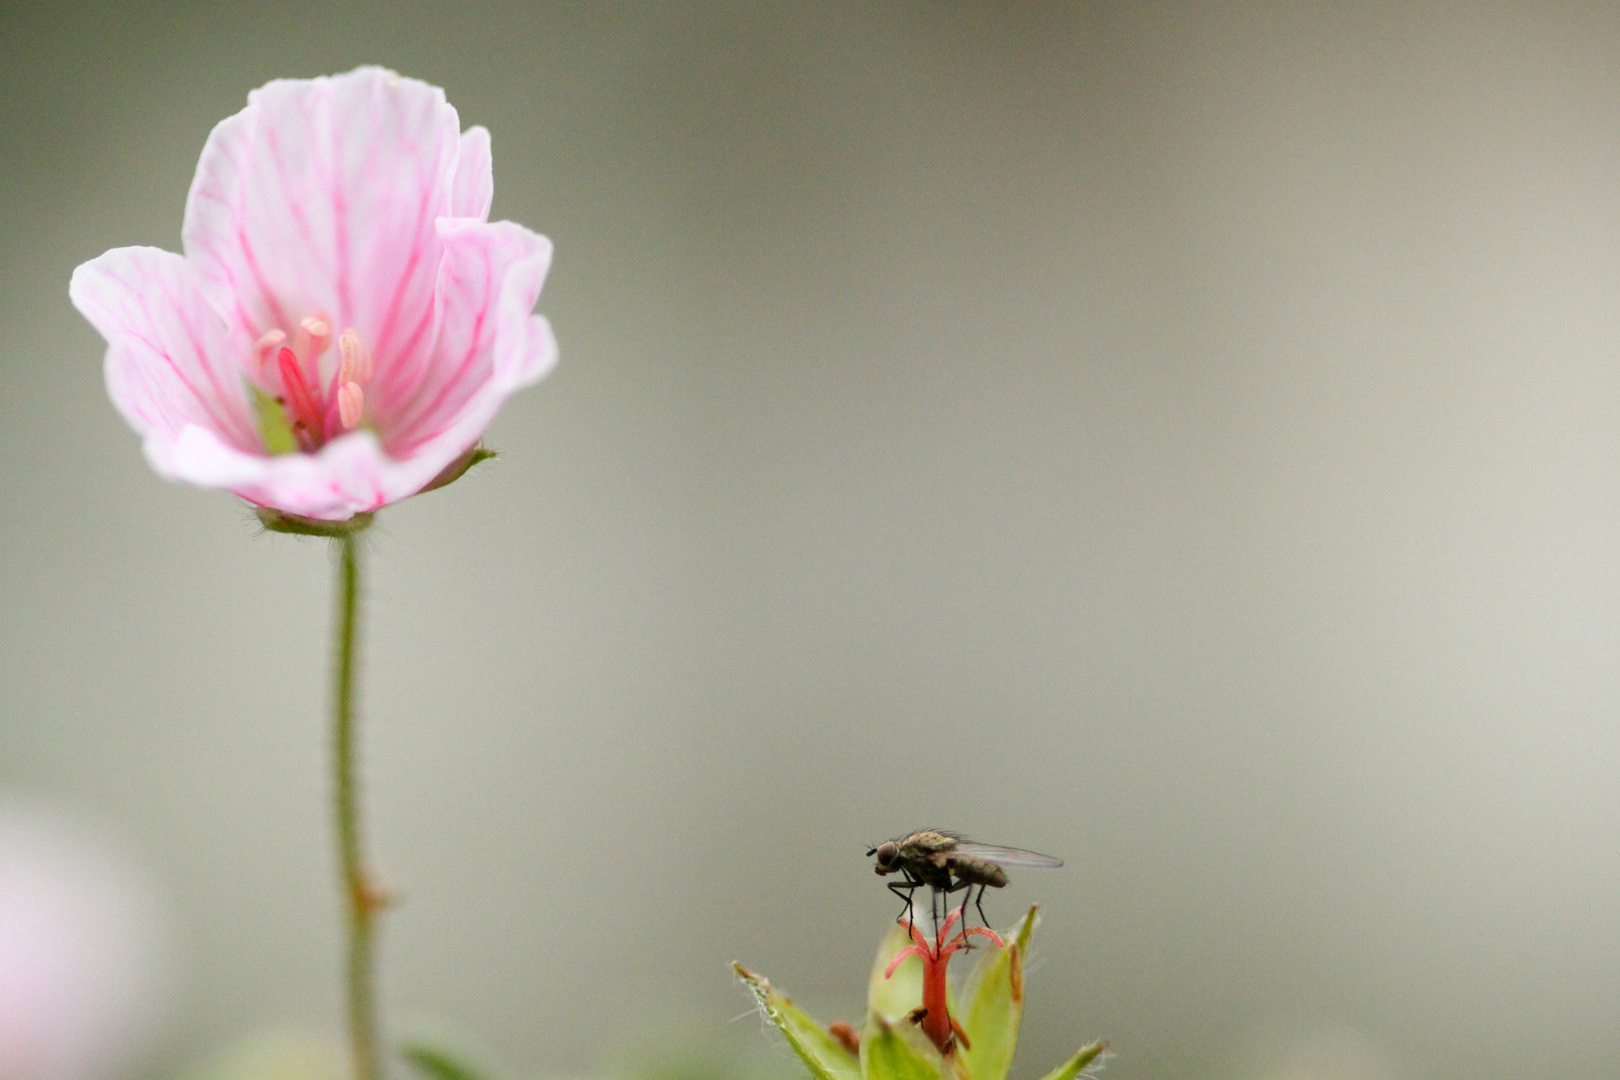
x=995 y=1004
x=1082 y=1057
x=439 y=1064
x=899 y=1052
x=275 y=430
x=827 y=1058
x=895 y=998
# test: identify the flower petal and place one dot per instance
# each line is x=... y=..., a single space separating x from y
x=171 y=362
x=349 y=475
x=346 y=477
x=489 y=344
x=475 y=178
x=321 y=196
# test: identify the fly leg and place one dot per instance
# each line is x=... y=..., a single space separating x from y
x=957 y=886
x=933 y=909
x=904 y=890
x=978 y=902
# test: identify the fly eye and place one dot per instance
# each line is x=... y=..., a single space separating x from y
x=887 y=854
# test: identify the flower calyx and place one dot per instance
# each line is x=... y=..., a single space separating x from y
x=279 y=521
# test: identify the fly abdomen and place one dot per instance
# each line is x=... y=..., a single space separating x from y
x=977 y=872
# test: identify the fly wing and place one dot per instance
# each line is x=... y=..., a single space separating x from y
x=1006 y=856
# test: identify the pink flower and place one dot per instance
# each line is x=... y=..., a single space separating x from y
x=345 y=321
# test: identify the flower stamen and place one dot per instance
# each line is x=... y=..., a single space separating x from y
x=314 y=335
x=351 y=404
x=355 y=365
x=316 y=409
x=264 y=350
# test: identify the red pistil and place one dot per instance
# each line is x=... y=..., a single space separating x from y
x=302 y=408
x=936 y=956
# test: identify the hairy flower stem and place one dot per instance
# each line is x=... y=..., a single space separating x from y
x=362 y=897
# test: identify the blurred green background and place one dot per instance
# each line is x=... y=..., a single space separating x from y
x=1181 y=438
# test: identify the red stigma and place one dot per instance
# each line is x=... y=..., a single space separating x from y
x=302 y=408
x=936 y=957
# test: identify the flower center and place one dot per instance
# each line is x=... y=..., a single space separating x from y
x=298 y=409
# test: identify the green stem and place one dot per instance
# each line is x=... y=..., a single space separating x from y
x=363 y=898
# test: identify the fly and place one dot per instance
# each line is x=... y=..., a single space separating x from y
x=947 y=863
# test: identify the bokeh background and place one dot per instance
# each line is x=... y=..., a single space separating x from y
x=1183 y=438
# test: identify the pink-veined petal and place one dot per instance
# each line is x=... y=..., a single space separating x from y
x=321 y=196
x=488 y=339
x=171 y=361
x=345 y=477
x=474 y=188
x=349 y=475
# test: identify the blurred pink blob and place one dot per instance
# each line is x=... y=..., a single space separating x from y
x=346 y=320
x=81 y=970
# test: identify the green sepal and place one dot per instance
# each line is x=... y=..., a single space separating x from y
x=279 y=521
x=454 y=471
x=995 y=1004
x=895 y=998
x=826 y=1057
x=900 y=1051
x=440 y=1064
x=275 y=430
x=1082 y=1057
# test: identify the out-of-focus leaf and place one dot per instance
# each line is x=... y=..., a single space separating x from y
x=1082 y=1057
x=894 y=998
x=440 y=1064
x=899 y=1051
x=272 y=1055
x=826 y=1057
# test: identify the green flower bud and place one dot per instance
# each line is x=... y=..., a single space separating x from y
x=899 y=1040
